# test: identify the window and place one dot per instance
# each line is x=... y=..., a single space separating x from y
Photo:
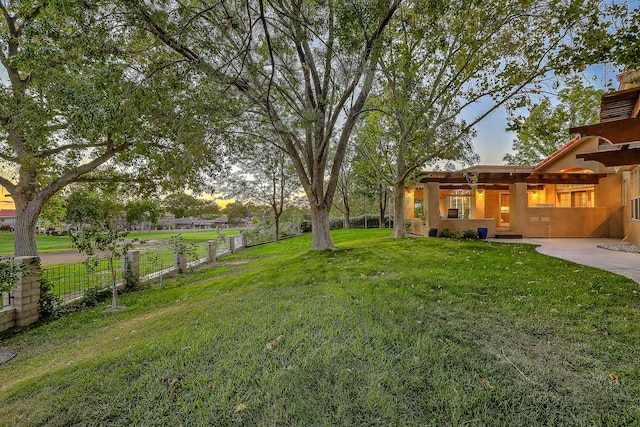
x=635 y=194
x=575 y=196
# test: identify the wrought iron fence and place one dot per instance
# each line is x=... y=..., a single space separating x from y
x=154 y=261
x=5 y=300
x=71 y=281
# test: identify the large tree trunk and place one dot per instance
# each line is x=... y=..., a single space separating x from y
x=398 y=210
x=320 y=229
x=24 y=237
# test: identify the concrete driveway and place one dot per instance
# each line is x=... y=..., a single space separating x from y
x=585 y=251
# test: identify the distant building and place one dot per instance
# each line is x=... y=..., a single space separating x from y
x=7 y=218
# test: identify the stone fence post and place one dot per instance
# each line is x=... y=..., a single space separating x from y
x=26 y=295
x=180 y=262
x=131 y=260
x=211 y=250
x=231 y=244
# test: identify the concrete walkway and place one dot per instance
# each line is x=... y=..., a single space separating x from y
x=585 y=251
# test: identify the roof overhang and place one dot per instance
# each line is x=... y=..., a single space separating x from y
x=619 y=132
x=510 y=178
x=623 y=157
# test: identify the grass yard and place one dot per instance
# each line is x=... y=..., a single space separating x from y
x=63 y=243
x=414 y=332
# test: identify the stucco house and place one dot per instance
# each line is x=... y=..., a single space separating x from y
x=590 y=187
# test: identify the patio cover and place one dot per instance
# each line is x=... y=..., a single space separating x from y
x=619 y=125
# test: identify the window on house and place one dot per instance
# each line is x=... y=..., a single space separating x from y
x=635 y=194
x=575 y=196
x=462 y=203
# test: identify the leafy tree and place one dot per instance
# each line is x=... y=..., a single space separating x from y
x=371 y=186
x=89 y=205
x=85 y=207
x=266 y=177
x=546 y=126
x=442 y=58
x=54 y=211
x=236 y=212
x=302 y=68
x=185 y=205
x=143 y=211
x=82 y=102
x=111 y=243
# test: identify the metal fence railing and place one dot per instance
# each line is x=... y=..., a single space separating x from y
x=71 y=281
x=5 y=300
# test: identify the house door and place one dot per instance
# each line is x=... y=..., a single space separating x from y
x=504 y=209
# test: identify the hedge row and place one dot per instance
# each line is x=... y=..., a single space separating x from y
x=337 y=223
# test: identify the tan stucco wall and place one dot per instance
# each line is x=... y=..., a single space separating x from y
x=608 y=194
x=633 y=231
x=566 y=222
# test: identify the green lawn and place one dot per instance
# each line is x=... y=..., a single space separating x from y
x=421 y=332
x=57 y=244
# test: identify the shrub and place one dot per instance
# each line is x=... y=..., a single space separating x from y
x=470 y=234
x=48 y=303
x=305 y=226
x=6 y=227
x=336 y=223
x=449 y=234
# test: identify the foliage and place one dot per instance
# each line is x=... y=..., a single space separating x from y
x=237 y=212
x=9 y=273
x=546 y=126
x=184 y=205
x=49 y=302
x=302 y=70
x=93 y=239
x=130 y=280
x=54 y=211
x=144 y=210
x=441 y=58
x=81 y=102
x=181 y=247
x=619 y=45
x=450 y=234
x=470 y=234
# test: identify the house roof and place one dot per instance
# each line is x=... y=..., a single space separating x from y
x=556 y=154
x=463 y=177
x=7 y=213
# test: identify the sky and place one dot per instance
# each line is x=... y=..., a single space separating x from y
x=492 y=141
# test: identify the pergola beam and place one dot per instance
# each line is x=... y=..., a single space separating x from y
x=512 y=178
x=622 y=157
x=617 y=132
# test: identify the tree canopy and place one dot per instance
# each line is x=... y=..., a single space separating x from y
x=445 y=60
x=303 y=69
x=545 y=126
x=87 y=99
